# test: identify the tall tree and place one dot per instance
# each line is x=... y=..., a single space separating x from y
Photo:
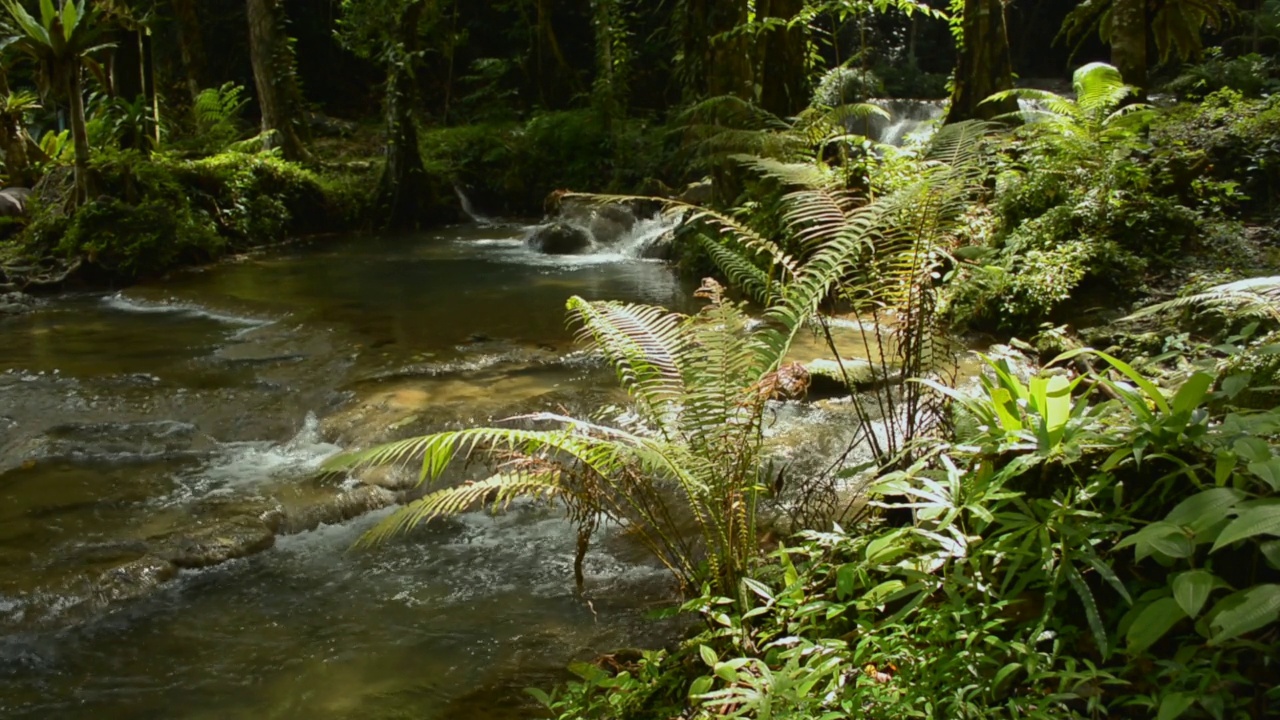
x=59 y=42
x=190 y=45
x=274 y=75
x=783 y=57
x=391 y=32
x=983 y=67
x=716 y=49
x=1130 y=26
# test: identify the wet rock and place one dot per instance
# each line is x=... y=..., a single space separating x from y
x=338 y=508
x=228 y=540
x=610 y=223
x=699 y=193
x=559 y=238
x=828 y=378
x=662 y=248
x=395 y=478
x=133 y=580
x=16 y=303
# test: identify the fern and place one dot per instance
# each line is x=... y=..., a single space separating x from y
x=1097 y=114
x=1255 y=297
x=881 y=259
x=692 y=459
x=216 y=115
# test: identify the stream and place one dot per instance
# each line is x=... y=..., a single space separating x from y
x=169 y=548
x=127 y=419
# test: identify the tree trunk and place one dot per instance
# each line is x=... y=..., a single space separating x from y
x=1129 y=41
x=190 y=45
x=784 y=88
x=126 y=66
x=80 y=135
x=406 y=194
x=274 y=95
x=556 y=82
x=713 y=64
x=983 y=67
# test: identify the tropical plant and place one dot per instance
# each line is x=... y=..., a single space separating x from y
x=1254 y=298
x=217 y=114
x=1010 y=590
x=1097 y=114
x=690 y=456
x=60 y=41
x=1177 y=26
x=880 y=259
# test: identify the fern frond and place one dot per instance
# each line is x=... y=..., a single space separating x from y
x=496 y=491
x=788 y=173
x=644 y=344
x=1254 y=297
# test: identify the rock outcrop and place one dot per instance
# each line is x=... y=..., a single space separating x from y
x=558 y=238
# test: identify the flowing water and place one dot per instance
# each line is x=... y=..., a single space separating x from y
x=130 y=421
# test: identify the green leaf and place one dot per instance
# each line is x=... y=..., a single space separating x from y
x=539 y=695
x=1254 y=609
x=885 y=549
x=1162 y=537
x=846 y=580
x=700 y=687
x=1175 y=705
x=1204 y=509
x=1191 y=590
x=1268 y=472
x=876 y=596
x=1235 y=384
x=1090 y=609
x=1254 y=521
x=1252 y=449
x=1192 y=393
x=1153 y=623
x=1271 y=551
x=708 y=655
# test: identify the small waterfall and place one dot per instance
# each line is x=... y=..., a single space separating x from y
x=627 y=229
x=908 y=120
x=469 y=209
x=650 y=237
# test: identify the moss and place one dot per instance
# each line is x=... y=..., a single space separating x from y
x=143 y=239
x=160 y=212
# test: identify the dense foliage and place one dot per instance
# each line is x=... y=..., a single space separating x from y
x=1071 y=533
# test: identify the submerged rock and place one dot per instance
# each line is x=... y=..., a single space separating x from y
x=338 y=508
x=229 y=540
x=559 y=238
x=829 y=378
x=16 y=303
x=133 y=580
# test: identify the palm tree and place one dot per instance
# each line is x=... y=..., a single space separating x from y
x=59 y=42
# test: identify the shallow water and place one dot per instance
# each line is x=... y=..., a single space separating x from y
x=128 y=417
